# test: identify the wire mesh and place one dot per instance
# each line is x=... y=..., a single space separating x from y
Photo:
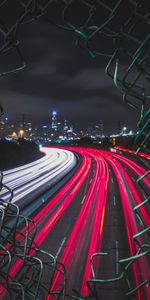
x=122 y=27
x=20 y=254
x=26 y=271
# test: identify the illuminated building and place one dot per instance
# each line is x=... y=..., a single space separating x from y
x=66 y=127
x=2 y=129
x=54 y=125
x=6 y=128
x=99 y=129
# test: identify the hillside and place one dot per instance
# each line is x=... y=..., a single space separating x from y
x=13 y=154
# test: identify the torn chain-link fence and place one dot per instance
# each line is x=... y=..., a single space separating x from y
x=120 y=31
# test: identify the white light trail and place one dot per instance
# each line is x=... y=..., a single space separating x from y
x=39 y=175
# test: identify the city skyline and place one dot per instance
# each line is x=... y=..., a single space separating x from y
x=117 y=124
x=57 y=130
x=60 y=75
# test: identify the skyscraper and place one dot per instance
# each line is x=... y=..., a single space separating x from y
x=54 y=125
x=99 y=129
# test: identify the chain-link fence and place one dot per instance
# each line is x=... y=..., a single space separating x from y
x=120 y=31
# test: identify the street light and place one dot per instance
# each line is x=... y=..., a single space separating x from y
x=21 y=134
x=124 y=129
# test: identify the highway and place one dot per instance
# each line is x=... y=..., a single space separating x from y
x=86 y=221
x=29 y=181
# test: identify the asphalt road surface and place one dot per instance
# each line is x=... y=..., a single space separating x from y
x=82 y=202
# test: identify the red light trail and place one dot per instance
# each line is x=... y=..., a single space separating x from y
x=88 y=229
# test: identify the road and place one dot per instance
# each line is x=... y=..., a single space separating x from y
x=82 y=201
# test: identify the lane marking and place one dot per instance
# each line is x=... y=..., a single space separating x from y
x=112 y=180
x=83 y=199
x=117 y=258
x=60 y=248
x=114 y=198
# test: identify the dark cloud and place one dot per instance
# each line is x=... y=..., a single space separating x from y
x=63 y=77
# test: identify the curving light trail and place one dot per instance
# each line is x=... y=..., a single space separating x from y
x=131 y=186
x=142 y=154
x=34 y=176
x=56 y=207
x=140 y=268
x=87 y=231
x=135 y=167
x=95 y=203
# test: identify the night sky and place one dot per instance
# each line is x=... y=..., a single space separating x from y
x=60 y=76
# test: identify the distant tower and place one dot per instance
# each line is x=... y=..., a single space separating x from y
x=65 y=126
x=23 y=121
x=54 y=124
x=99 y=129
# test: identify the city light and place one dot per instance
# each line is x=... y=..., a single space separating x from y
x=62 y=130
x=21 y=133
